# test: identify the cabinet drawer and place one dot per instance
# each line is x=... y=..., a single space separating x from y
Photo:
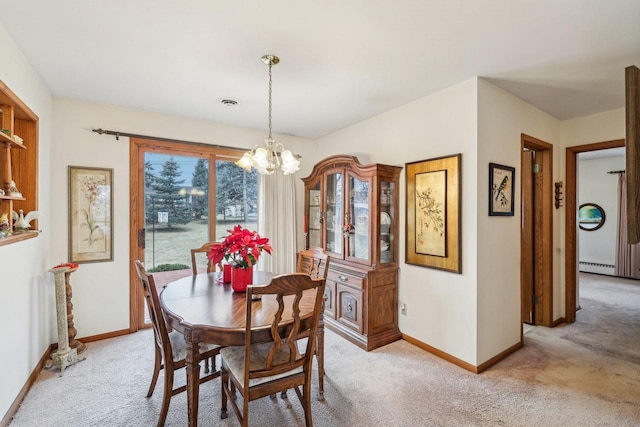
x=330 y=300
x=346 y=279
x=349 y=307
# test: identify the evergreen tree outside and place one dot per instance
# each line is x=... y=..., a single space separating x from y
x=236 y=188
x=149 y=179
x=200 y=181
x=149 y=176
x=166 y=196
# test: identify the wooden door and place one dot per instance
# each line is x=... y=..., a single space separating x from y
x=538 y=255
x=527 y=247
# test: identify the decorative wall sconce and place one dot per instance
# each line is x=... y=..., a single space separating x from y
x=558 y=195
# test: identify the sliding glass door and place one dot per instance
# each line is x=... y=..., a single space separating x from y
x=176 y=209
x=182 y=196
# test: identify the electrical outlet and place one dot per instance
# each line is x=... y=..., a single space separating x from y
x=403 y=309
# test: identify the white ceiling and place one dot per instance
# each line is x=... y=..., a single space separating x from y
x=342 y=61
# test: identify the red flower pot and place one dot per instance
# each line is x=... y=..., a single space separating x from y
x=240 y=278
x=226 y=273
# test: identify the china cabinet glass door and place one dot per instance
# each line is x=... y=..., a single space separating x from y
x=314 y=227
x=387 y=216
x=358 y=214
x=333 y=216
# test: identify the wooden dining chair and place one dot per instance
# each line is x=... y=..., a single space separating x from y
x=204 y=249
x=257 y=370
x=194 y=259
x=170 y=346
x=315 y=262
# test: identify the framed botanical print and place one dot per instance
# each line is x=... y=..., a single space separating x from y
x=90 y=214
x=501 y=190
x=433 y=213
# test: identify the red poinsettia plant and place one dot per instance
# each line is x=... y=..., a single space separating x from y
x=241 y=248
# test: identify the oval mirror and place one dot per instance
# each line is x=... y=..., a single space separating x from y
x=590 y=216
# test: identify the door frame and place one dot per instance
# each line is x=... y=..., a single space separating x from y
x=543 y=226
x=571 y=212
x=137 y=147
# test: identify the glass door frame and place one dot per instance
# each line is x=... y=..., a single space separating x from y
x=360 y=217
x=137 y=149
x=331 y=199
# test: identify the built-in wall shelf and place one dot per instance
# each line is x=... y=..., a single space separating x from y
x=18 y=163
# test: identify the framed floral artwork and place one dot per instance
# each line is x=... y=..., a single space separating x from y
x=501 y=190
x=90 y=214
x=433 y=213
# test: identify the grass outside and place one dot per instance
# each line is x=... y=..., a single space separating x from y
x=173 y=246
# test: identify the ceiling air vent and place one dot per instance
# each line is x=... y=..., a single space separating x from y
x=228 y=102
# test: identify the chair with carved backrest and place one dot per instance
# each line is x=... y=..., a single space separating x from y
x=315 y=262
x=197 y=254
x=204 y=249
x=170 y=346
x=257 y=370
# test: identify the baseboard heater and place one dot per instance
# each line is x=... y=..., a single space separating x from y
x=596 y=264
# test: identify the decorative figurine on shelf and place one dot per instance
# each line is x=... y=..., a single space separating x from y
x=13 y=190
x=22 y=222
x=1 y=192
x=4 y=225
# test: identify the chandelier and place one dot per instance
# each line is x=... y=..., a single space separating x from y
x=271 y=155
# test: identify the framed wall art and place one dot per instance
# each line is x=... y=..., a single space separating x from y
x=590 y=216
x=433 y=213
x=501 y=190
x=90 y=214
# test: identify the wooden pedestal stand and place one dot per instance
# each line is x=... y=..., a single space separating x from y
x=64 y=356
x=73 y=342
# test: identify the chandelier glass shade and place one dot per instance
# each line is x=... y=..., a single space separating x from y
x=268 y=157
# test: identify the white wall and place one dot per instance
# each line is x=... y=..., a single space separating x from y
x=600 y=127
x=597 y=186
x=441 y=306
x=502 y=118
x=101 y=290
x=26 y=289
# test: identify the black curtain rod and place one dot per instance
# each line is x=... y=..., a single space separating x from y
x=622 y=171
x=118 y=134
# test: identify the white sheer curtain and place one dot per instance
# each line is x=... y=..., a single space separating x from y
x=627 y=256
x=277 y=221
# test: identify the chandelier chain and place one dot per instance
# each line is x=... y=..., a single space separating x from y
x=270 y=65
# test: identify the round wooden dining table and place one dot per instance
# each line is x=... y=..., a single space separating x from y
x=205 y=310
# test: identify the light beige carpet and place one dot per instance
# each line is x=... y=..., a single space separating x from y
x=583 y=374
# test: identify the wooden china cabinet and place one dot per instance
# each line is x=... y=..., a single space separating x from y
x=18 y=163
x=351 y=211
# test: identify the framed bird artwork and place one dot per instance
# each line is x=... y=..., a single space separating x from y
x=501 y=190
